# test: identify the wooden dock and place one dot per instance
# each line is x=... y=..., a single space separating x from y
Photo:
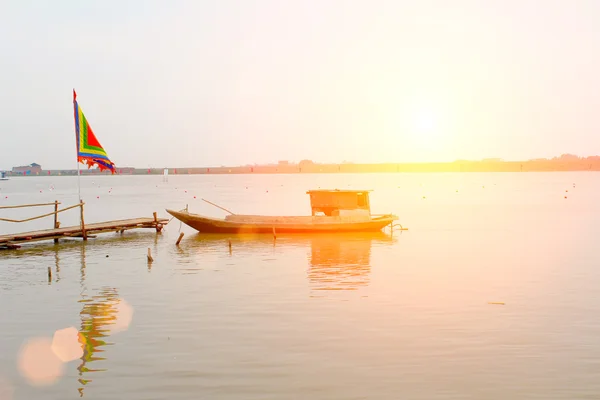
x=82 y=231
x=12 y=241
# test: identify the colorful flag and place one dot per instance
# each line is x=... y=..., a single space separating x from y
x=89 y=149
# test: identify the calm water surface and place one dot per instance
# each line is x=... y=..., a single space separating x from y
x=311 y=317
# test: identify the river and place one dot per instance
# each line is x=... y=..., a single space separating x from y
x=492 y=293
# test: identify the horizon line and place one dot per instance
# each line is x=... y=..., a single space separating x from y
x=308 y=163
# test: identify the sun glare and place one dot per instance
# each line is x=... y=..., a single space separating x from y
x=424 y=124
x=426 y=130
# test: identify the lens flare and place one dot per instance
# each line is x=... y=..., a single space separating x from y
x=66 y=345
x=38 y=363
x=123 y=317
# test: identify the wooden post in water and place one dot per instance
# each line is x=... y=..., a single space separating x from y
x=56 y=217
x=83 y=233
x=179 y=239
x=49 y=274
x=156 y=224
x=150 y=259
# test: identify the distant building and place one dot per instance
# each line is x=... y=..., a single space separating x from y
x=31 y=169
x=127 y=170
x=306 y=163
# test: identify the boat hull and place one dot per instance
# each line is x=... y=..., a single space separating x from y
x=213 y=225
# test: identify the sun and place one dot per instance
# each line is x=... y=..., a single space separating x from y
x=425 y=129
x=425 y=123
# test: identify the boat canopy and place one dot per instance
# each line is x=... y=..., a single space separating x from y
x=330 y=202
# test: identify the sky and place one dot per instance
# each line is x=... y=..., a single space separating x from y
x=208 y=83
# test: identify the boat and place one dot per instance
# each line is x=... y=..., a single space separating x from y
x=332 y=211
x=3 y=176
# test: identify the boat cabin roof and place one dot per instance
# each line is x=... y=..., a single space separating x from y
x=331 y=201
x=337 y=191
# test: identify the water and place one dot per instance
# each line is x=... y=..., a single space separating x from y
x=325 y=317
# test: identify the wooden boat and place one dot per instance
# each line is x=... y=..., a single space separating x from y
x=332 y=211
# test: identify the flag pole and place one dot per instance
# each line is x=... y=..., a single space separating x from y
x=77 y=145
x=78 y=182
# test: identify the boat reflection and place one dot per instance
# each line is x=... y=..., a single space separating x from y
x=342 y=262
x=336 y=262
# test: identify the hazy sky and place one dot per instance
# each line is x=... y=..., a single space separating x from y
x=201 y=83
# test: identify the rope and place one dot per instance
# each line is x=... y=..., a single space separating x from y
x=397 y=226
x=28 y=205
x=182 y=210
x=41 y=216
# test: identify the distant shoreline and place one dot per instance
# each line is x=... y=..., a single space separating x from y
x=556 y=165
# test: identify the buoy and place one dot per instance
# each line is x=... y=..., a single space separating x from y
x=565 y=197
x=97 y=197
x=566 y=191
x=194 y=196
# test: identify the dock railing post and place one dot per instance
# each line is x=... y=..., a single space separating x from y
x=56 y=217
x=83 y=234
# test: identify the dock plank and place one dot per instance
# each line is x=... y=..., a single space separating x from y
x=75 y=231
